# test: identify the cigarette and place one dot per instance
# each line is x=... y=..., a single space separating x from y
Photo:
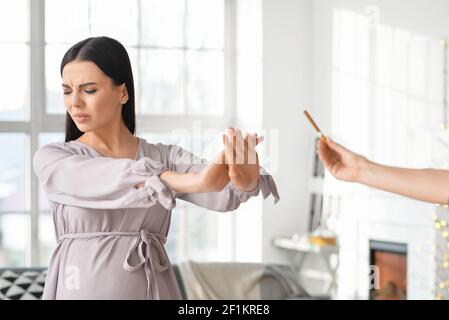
x=314 y=124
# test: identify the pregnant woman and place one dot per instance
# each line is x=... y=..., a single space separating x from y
x=111 y=193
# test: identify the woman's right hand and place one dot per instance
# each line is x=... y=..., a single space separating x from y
x=342 y=163
x=214 y=176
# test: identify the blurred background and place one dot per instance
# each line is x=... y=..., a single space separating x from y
x=373 y=74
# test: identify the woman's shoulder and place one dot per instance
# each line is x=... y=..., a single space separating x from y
x=65 y=148
x=48 y=153
x=158 y=151
x=53 y=147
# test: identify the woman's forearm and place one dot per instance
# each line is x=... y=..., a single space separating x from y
x=429 y=185
x=212 y=178
x=182 y=182
x=179 y=182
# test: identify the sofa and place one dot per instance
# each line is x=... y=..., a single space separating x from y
x=217 y=280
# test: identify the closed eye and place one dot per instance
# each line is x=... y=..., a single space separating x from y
x=87 y=91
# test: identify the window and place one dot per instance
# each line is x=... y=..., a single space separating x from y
x=387 y=93
x=14 y=46
x=178 y=51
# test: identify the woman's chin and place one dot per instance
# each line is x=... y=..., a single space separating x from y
x=83 y=127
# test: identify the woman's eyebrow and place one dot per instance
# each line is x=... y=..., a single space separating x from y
x=80 y=86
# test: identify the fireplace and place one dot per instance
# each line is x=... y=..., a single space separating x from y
x=388 y=270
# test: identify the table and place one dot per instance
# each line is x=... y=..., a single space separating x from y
x=301 y=248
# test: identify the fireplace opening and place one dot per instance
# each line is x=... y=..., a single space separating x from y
x=388 y=262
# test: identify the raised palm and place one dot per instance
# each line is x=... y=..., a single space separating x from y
x=241 y=158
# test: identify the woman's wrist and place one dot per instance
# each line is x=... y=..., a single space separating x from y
x=248 y=187
x=240 y=178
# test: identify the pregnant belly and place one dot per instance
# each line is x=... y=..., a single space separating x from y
x=93 y=269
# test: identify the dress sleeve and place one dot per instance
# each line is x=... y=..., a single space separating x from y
x=100 y=182
x=227 y=199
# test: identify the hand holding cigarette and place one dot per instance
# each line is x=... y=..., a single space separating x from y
x=342 y=163
x=421 y=184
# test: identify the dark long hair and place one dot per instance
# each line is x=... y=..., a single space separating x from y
x=111 y=57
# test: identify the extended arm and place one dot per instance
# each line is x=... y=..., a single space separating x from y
x=102 y=182
x=429 y=185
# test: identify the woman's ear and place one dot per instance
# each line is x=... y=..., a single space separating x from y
x=124 y=94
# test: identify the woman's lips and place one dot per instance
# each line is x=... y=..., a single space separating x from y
x=82 y=118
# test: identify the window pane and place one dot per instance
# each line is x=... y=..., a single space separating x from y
x=47 y=237
x=205 y=82
x=117 y=19
x=13 y=82
x=54 y=92
x=66 y=21
x=45 y=138
x=12 y=172
x=207 y=145
x=203 y=232
x=14 y=239
x=162 y=82
x=205 y=24
x=180 y=138
x=14 y=21
x=162 y=22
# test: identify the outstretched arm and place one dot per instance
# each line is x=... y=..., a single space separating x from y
x=212 y=178
x=101 y=182
x=429 y=185
x=238 y=186
x=238 y=163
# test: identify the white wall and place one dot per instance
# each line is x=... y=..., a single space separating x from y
x=297 y=64
x=296 y=71
x=287 y=67
x=428 y=18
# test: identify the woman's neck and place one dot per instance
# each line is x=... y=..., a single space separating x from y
x=112 y=140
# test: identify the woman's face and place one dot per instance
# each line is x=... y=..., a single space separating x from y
x=88 y=91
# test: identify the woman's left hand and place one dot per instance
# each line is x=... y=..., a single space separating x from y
x=242 y=159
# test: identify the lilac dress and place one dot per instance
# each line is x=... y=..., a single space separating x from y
x=110 y=234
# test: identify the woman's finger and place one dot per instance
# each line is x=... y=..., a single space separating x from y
x=229 y=150
x=230 y=133
x=252 y=154
x=239 y=146
x=226 y=148
x=251 y=140
x=238 y=134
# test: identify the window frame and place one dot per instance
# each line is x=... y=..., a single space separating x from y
x=37 y=120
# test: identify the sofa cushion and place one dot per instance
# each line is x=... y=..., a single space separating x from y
x=22 y=283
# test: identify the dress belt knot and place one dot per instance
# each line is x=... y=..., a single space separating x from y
x=146 y=244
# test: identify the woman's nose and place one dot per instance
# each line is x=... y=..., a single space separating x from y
x=75 y=100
